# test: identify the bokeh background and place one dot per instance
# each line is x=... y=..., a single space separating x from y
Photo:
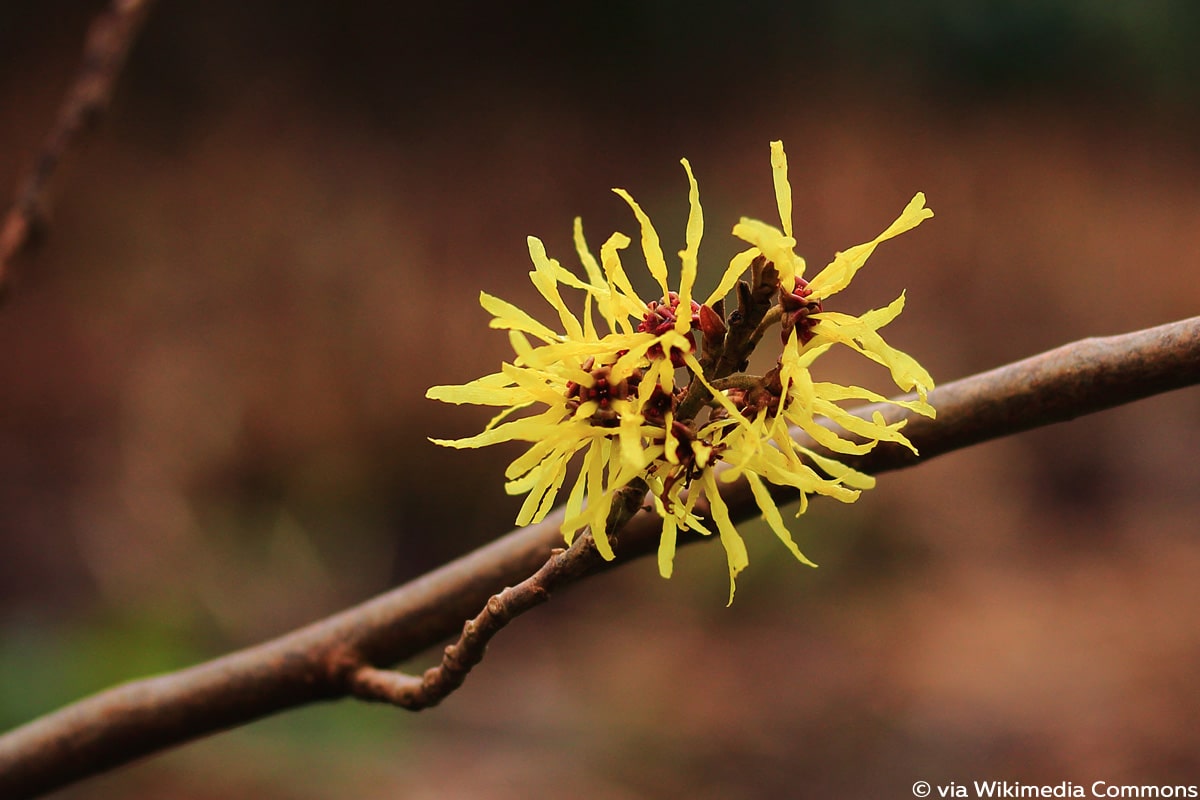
x=212 y=423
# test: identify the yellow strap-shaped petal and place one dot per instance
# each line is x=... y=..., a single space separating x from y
x=546 y=278
x=828 y=438
x=599 y=503
x=838 y=274
x=737 y=266
x=541 y=497
x=735 y=547
x=844 y=474
x=590 y=265
x=612 y=305
x=506 y=315
x=651 y=246
x=783 y=189
x=526 y=429
x=490 y=390
x=871 y=429
x=690 y=254
x=537 y=384
x=907 y=373
x=575 y=498
x=836 y=391
x=666 y=544
x=592 y=476
x=774 y=519
x=610 y=258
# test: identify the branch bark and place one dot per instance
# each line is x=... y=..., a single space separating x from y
x=323 y=661
x=108 y=42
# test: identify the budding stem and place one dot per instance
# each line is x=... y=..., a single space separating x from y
x=772 y=317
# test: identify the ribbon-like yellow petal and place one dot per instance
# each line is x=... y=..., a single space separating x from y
x=838 y=274
x=651 y=246
x=783 y=189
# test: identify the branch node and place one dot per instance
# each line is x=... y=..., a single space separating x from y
x=388 y=686
x=496 y=605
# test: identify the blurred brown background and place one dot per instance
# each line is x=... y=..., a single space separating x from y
x=212 y=424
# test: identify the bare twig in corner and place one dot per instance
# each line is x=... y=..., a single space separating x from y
x=108 y=42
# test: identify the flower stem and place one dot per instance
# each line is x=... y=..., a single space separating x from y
x=772 y=317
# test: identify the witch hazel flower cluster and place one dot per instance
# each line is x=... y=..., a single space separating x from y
x=653 y=395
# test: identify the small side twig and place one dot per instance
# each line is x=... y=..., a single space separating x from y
x=108 y=43
x=416 y=693
x=772 y=317
x=368 y=682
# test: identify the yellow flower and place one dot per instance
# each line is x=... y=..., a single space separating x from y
x=745 y=445
x=614 y=396
x=606 y=395
x=802 y=300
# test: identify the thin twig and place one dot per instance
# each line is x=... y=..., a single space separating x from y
x=368 y=682
x=108 y=42
x=416 y=693
x=772 y=317
x=147 y=716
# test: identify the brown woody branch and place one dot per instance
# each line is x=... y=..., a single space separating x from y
x=326 y=660
x=108 y=42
